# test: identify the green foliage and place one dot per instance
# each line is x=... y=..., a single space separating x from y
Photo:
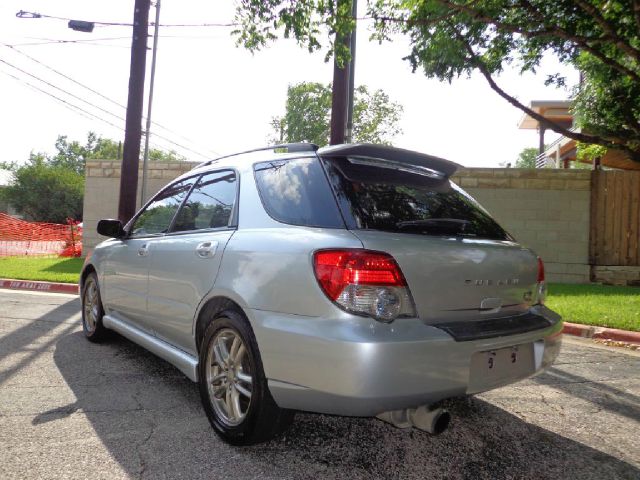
x=454 y=38
x=50 y=188
x=157 y=155
x=308 y=113
x=527 y=158
x=46 y=191
x=590 y=152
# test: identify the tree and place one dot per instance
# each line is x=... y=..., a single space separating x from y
x=308 y=112
x=50 y=188
x=45 y=191
x=527 y=158
x=73 y=154
x=454 y=38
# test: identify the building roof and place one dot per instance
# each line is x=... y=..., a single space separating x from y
x=556 y=110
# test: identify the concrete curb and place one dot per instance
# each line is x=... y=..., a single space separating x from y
x=51 y=287
x=602 y=333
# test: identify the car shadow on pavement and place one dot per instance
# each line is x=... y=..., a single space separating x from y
x=148 y=415
x=600 y=394
x=35 y=337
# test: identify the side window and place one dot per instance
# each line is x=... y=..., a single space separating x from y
x=156 y=218
x=296 y=192
x=210 y=203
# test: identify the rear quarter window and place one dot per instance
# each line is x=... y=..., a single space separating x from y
x=296 y=192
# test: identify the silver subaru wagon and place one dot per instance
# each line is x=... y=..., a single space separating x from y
x=349 y=280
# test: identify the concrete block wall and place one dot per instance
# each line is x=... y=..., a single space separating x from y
x=616 y=275
x=547 y=210
x=102 y=184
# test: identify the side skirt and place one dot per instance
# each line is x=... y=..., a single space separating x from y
x=181 y=360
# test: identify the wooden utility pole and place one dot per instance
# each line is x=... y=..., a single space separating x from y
x=352 y=73
x=340 y=93
x=133 y=127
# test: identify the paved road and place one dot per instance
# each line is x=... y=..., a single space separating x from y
x=71 y=409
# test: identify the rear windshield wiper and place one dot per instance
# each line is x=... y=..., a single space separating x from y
x=444 y=224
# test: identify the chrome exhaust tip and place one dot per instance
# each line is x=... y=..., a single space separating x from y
x=431 y=420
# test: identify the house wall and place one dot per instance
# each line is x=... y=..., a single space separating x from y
x=547 y=210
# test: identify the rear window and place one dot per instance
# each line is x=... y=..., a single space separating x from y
x=408 y=201
x=297 y=192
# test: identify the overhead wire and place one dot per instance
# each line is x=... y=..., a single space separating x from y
x=200 y=154
x=75 y=108
x=61 y=89
x=110 y=100
x=30 y=15
x=63 y=101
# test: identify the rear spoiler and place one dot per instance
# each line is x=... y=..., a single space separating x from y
x=399 y=156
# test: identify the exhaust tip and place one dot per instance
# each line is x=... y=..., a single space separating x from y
x=441 y=423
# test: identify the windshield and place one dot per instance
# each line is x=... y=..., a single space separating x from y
x=385 y=198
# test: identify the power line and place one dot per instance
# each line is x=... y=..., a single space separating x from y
x=57 y=42
x=85 y=113
x=101 y=109
x=61 y=100
x=61 y=89
x=95 y=92
x=25 y=14
x=29 y=15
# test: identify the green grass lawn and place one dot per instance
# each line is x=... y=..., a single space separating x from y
x=599 y=305
x=65 y=270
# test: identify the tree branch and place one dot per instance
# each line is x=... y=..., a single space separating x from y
x=614 y=143
x=636 y=12
x=547 y=32
x=619 y=42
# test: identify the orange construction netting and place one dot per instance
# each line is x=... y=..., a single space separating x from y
x=19 y=237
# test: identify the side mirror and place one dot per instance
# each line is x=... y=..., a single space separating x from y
x=111 y=228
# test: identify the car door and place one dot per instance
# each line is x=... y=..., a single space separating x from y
x=127 y=263
x=185 y=262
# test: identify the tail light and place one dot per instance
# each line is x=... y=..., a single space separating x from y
x=542 y=286
x=364 y=282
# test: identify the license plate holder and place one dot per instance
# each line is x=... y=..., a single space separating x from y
x=493 y=368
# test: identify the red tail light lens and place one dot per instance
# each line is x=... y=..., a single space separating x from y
x=542 y=286
x=540 y=270
x=363 y=282
x=335 y=269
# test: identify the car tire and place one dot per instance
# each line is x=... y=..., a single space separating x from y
x=233 y=387
x=92 y=310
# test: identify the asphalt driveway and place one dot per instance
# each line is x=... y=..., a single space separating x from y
x=72 y=409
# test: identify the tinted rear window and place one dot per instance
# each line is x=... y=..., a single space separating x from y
x=372 y=197
x=297 y=192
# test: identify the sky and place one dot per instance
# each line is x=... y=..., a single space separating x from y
x=213 y=97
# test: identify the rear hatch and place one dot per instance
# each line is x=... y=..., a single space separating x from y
x=454 y=279
x=458 y=262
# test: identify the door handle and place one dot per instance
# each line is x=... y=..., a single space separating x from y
x=206 y=249
x=143 y=251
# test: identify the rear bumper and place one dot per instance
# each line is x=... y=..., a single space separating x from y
x=361 y=367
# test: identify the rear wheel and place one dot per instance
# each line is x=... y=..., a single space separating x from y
x=92 y=311
x=233 y=387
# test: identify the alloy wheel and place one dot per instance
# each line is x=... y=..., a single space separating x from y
x=229 y=376
x=91 y=306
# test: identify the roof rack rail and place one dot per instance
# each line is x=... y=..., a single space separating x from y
x=289 y=147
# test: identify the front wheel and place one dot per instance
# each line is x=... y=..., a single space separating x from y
x=233 y=387
x=92 y=311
